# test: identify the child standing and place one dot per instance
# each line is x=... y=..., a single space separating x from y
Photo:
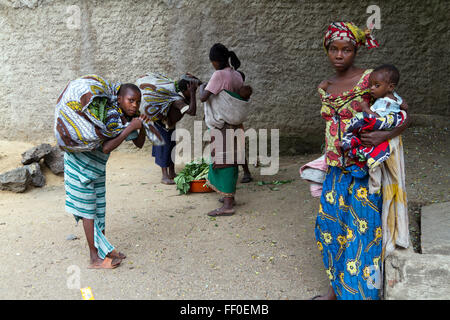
x=165 y=102
x=85 y=172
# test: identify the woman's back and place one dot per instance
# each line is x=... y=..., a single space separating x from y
x=225 y=79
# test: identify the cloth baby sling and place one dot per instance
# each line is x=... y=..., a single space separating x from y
x=224 y=112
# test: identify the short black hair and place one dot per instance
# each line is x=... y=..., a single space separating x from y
x=182 y=84
x=391 y=71
x=124 y=87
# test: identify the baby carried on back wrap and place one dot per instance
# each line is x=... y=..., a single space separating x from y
x=225 y=107
x=226 y=111
x=87 y=114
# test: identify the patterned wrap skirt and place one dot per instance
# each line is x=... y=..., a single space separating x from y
x=349 y=235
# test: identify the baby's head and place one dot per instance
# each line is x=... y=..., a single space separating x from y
x=245 y=92
x=383 y=80
x=129 y=98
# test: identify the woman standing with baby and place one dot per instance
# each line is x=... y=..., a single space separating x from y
x=223 y=175
x=349 y=223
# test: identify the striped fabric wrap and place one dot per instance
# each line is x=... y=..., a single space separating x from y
x=84 y=181
x=77 y=128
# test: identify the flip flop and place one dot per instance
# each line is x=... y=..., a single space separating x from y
x=218 y=212
x=106 y=264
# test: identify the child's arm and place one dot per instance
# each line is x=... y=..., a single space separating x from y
x=204 y=94
x=140 y=140
x=192 y=87
x=180 y=104
x=111 y=144
x=365 y=108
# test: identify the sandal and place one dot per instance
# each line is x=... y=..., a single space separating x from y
x=106 y=264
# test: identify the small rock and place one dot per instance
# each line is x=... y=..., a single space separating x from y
x=15 y=180
x=55 y=160
x=37 y=178
x=35 y=154
x=71 y=237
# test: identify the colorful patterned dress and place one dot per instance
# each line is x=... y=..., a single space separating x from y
x=348 y=226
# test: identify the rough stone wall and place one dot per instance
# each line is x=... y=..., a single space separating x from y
x=278 y=43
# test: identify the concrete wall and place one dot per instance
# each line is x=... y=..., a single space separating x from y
x=278 y=43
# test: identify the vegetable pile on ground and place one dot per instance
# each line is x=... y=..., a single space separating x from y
x=276 y=182
x=195 y=170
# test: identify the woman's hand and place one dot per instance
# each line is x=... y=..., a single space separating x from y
x=374 y=138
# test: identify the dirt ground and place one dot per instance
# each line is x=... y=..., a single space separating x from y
x=174 y=251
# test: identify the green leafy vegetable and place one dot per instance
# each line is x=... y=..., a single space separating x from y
x=195 y=170
x=98 y=108
x=276 y=182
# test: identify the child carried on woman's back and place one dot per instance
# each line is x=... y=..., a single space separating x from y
x=384 y=114
x=245 y=91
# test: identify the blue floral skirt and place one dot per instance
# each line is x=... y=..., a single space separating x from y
x=348 y=233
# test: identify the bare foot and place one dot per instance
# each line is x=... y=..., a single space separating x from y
x=172 y=173
x=221 y=212
x=329 y=296
x=106 y=263
x=246 y=178
x=221 y=200
x=167 y=181
x=116 y=254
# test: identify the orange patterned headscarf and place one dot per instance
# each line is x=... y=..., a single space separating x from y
x=348 y=31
